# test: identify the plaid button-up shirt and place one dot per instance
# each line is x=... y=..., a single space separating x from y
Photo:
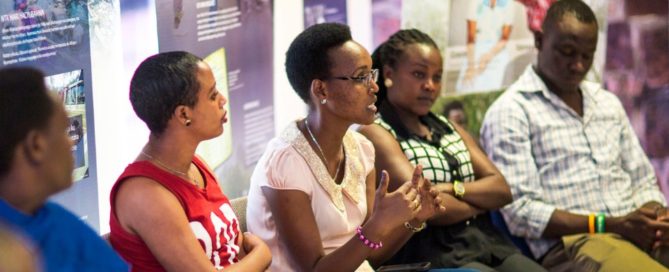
x=553 y=158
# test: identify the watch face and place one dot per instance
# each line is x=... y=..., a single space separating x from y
x=459 y=189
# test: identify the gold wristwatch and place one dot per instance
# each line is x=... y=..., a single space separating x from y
x=458 y=189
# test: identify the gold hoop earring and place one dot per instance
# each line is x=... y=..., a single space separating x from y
x=388 y=82
x=188 y=122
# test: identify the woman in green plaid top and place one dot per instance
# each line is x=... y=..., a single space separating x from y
x=470 y=185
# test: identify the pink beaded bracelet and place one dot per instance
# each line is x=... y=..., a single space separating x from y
x=366 y=241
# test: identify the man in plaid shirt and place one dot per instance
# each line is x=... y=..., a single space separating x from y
x=585 y=195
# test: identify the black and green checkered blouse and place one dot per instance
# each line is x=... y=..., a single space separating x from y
x=445 y=158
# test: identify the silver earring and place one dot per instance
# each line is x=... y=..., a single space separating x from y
x=388 y=82
x=324 y=101
x=187 y=122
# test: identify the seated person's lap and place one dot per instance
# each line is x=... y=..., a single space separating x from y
x=604 y=252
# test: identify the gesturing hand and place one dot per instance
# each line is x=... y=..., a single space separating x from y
x=397 y=207
x=430 y=201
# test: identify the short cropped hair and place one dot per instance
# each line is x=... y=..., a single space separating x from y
x=580 y=10
x=307 y=57
x=25 y=105
x=160 y=84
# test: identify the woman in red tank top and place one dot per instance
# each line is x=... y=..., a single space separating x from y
x=168 y=212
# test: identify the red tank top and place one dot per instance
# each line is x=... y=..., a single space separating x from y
x=208 y=211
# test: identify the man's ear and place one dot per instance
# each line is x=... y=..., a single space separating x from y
x=34 y=146
x=538 y=39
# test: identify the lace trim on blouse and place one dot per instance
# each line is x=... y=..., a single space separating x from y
x=353 y=169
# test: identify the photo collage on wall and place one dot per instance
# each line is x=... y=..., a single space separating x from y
x=496 y=51
x=324 y=11
x=234 y=37
x=53 y=36
x=70 y=88
x=636 y=71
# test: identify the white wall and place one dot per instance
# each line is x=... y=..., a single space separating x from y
x=288 y=23
x=119 y=134
x=359 y=13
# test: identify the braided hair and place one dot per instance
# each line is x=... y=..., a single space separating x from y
x=390 y=51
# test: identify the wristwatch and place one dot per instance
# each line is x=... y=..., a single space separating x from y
x=458 y=189
x=415 y=229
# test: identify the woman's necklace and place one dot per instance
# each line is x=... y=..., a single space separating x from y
x=306 y=124
x=180 y=173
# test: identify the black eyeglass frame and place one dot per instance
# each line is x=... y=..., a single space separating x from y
x=367 y=79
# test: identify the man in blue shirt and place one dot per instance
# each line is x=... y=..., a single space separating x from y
x=35 y=163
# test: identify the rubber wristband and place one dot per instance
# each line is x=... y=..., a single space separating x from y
x=600 y=222
x=591 y=223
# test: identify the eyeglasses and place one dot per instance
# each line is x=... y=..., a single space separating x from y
x=367 y=79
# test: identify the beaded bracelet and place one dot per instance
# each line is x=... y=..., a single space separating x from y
x=366 y=241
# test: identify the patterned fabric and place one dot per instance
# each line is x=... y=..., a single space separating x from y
x=555 y=159
x=536 y=12
x=445 y=158
x=431 y=155
x=290 y=163
x=350 y=184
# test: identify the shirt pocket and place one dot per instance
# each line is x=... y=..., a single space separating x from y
x=606 y=132
x=559 y=144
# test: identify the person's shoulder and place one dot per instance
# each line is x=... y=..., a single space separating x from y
x=359 y=138
x=279 y=147
x=94 y=253
x=69 y=226
x=379 y=128
x=601 y=95
x=283 y=151
x=71 y=221
x=62 y=214
x=510 y=101
x=519 y=95
x=289 y=135
x=441 y=118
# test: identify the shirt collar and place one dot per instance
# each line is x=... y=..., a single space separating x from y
x=530 y=82
x=389 y=115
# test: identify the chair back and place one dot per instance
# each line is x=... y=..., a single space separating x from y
x=498 y=221
x=239 y=207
